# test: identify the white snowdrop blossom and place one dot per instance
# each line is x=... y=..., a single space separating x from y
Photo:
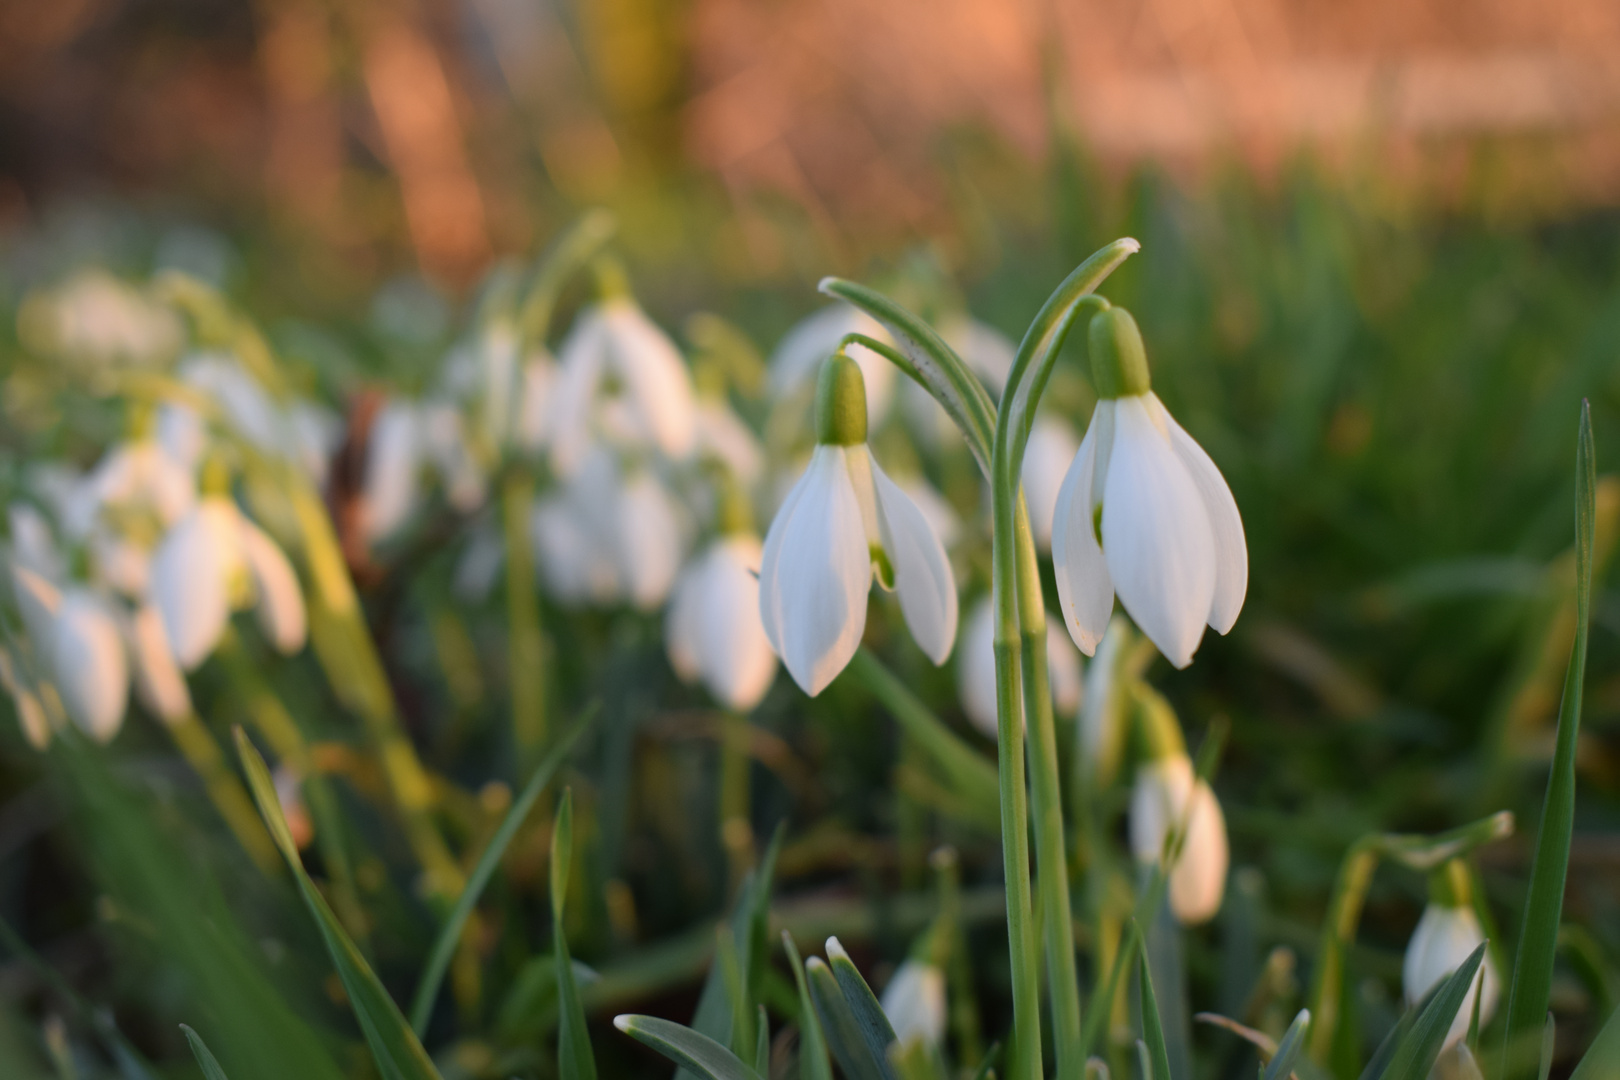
x=214 y=561
x=811 y=340
x=1159 y=803
x=615 y=355
x=78 y=641
x=1144 y=513
x=976 y=669
x=843 y=524
x=124 y=506
x=914 y=1002
x=1445 y=936
x=97 y=318
x=712 y=630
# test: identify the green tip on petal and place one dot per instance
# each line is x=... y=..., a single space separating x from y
x=841 y=403
x=1451 y=886
x=1118 y=360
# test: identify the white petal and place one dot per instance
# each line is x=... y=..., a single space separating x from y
x=159 y=683
x=191 y=572
x=90 y=668
x=576 y=565
x=1156 y=535
x=1085 y=591
x=922 y=572
x=1226 y=525
x=914 y=1002
x=36 y=726
x=1047 y=458
x=534 y=408
x=1063 y=671
x=655 y=376
x=389 y=491
x=816 y=573
x=1444 y=938
x=280 y=606
x=1198 y=881
x=683 y=621
x=738 y=663
x=648 y=540
x=940 y=513
x=32 y=543
x=976 y=667
x=582 y=359
x=39 y=601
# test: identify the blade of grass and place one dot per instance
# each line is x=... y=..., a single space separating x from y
x=1602 y=1060
x=205 y=1057
x=444 y=947
x=574 y=1058
x=1293 y=1041
x=1152 y=1026
x=870 y=1019
x=1531 y=985
x=1416 y=1054
x=813 y=1061
x=691 y=1050
x=844 y=1036
x=398 y=1052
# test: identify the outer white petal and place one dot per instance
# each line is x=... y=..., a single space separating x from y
x=648 y=540
x=1198 y=881
x=446 y=439
x=1064 y=673
x=976 y=667
x=654 y=374
x=576 y=565
x=90 y=668
x=1156 y=535
x=738 y=663
x=816 y=573
x=582 y=360
x=922 y=571
x=914 y=1002
x=120 y=563
x=1442 y=941
x=1085 y=591
x=1226 y=525
x=941 y=515
x=159 y=683
x=1157 y=799
x=280 y=606
x=798 y=357
x=388 y=493
x=684 y=619
x=1047 y=458
x=191 y=572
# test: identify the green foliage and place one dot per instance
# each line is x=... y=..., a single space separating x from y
x=205 y=1057
x=575 y=1060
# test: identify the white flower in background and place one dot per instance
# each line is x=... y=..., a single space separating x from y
x=247 y=407
x=317 y=433
x=914 y=1002
x=799 y=355
x=614 y=353
x=1144 y=512
x=32 y=543
x=1159 y=803
x=538 y=386
x=214 y=561
x=97 y=318
x=712 y=630
x=648 y=534
x=390 y=485
x=160 y=686
x=976 y=669
x=1445 y=936
x=1103 y=710
x=844 y=523
x=722 y=436
x=941 y=515
x=302 y=432
x=124 y=506
x=78 y=641
x=31 y=716
x=1051 y=447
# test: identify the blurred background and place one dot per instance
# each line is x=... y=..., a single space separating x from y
x=1381 y=269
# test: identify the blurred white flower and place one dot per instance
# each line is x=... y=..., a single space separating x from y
x=648 y=535
x=812 y=340
x=97 y=318
x=1159 y=803
x=539 y=385
x=1102 y=712
x=33 y=545
x=390 y=486
x=78 y=641
x=712 y=630
x=976 y=669
x=1051 y=447
x=615 y=354
x=914 y=1002
x=1144 y=512
x=317 y=432
x=722 y=436
x=1444 y=938
x=247 y=408
x=123 y=507
x=31 y=716
x=160 y=686
x=216 y=560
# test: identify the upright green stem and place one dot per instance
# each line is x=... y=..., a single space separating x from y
x=736 y=830
x=527 y=642
x=1052 y=861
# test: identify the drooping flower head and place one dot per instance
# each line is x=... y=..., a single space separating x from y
x=1144 y=513
x=1445 y=936
x=1167 y=796
x=844 y=523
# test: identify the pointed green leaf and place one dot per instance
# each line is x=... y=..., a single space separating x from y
x=1152 y=1026
x=872 y=1023
x=1416 y=1054
x=813 y=1061
x=1602 y=1060
x=762 y=1043
x=691 y=1050
x=844 y=1036
x=1293 y=1041
x=398 y=1053
x=205 y=1057
x=1531 y=987
x=574 y=1058
x=444 y=947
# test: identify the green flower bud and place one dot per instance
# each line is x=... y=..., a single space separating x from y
x=840 y=403
x=1118 y=361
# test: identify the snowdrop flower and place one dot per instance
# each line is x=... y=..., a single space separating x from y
x=614 y=352
x=976 y=669
x=389 y=488
x=78 y=641
x=1144 y=512
x=799 y=355
x=125 y=504
x=842 y=524
x=160 y=686
x=95 y=317
x=1159 y=803
x=535 y=391
x=1051 y=447
x=712 y=630
x=1445 y=936
x=247 y=407
x=448 y=444
x=32 y=543
x=216 y=560
x=914 y=1002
